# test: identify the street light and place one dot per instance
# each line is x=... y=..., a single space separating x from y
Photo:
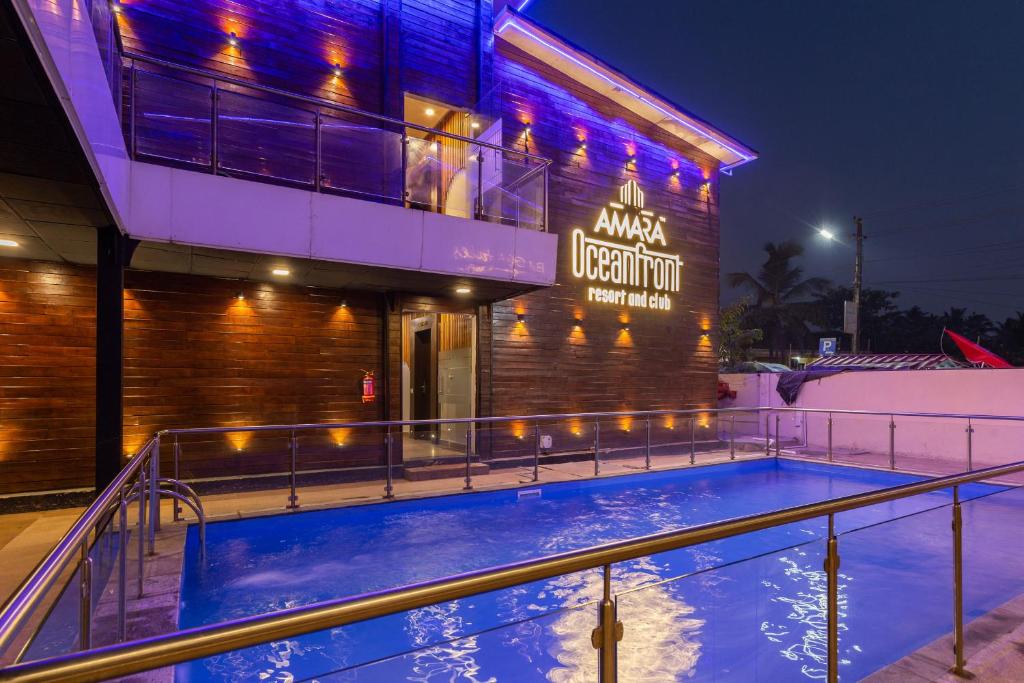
x=858 y=276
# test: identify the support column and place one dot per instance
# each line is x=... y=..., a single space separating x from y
x=113 y=254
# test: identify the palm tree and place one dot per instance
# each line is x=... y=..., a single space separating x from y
x=779 y=291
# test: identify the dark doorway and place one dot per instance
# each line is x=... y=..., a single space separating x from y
x=422 y=384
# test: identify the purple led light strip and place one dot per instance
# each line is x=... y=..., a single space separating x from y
x=511 y=22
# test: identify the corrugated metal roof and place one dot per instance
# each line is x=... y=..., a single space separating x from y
x=888 y=361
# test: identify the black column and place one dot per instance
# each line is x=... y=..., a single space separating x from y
x=113 y=254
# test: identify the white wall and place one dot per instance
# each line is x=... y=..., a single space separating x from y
x=968 y=391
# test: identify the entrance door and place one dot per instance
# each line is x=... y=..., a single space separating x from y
x=422 y=380
x=439 y=381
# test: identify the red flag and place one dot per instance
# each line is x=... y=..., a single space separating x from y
x=976 y=354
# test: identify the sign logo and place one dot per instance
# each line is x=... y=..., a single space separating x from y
x=828 y=346
x=623 y=257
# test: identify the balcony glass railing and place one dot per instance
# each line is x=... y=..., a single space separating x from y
x=199 y=120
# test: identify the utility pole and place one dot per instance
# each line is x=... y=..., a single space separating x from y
x=858 y=277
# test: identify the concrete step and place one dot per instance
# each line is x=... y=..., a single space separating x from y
x=426 y=472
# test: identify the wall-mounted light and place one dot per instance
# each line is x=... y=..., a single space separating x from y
x=577 y=322
x=232 y=39
x=675 y=174
x=281 y=272
x=703 y=331
x=475 y=125
x=625 y=327
x=433 y=146
x=528 y=129
x=521 y=317
x=463 y=290
x=630 y=160
x=343 y=303
x=8 y=243
x=115 y=7
x=337 y=70
x=240 y=295
x=583 y=146
x=429 y=111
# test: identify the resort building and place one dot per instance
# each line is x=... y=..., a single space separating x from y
x=221 y=214
x=376 y=341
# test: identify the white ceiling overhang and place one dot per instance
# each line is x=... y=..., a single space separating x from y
x=597 y=76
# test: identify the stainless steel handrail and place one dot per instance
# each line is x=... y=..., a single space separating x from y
x=21 y=605
x=321 y=102
x=204 y=641
x=568 y=416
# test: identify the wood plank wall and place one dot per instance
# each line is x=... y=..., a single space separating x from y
x=544 y=365
x=194 y=355
x=47 y=375
x=384 y=47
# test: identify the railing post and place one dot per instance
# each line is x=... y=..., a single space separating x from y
x=85 y=598
x=606 y=636
x=319 y=160
x=829 y=448
x=177 y=478
x=732 y=437
x=832 y=576
x=122 y=568
x=389 y=488
x=293 y=498
x=469 y=452
x=536 y=452
x=214 y=127
x=132 y=84
x=767 y=434
x=892 y=443
x=647 y=445
x=405 y=167
x=778 y=439
x=970 y=445
x=154 y=498
x=693 y=441
x=958 y=588
x=141 y=532
x=597 y=447
x=480 y=185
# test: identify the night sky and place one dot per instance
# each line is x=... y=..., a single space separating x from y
x=910 y=114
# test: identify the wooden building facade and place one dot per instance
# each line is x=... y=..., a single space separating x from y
x=204 y=351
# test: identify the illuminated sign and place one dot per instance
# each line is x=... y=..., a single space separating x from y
x=623 y=258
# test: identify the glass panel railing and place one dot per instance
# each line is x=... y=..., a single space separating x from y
x=550 y=647
x=359 y=157
x=195 y=118
x=758 y=618
x=521 y=633
x=423 y=174
x=172 y=119
x=993 y=570
x=259 y=137
x=895 y=587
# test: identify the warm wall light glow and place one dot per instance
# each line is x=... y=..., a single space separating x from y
x=626 y=424
x=670 y=422
x=8 y=243
x=463 y=290
x=238 y=440
x=339 y=437
x=281 y=272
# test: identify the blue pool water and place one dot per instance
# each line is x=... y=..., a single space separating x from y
x=742 y=609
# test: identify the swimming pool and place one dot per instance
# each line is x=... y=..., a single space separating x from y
x=745 y=608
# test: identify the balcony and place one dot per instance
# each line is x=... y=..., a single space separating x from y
x=387 y=192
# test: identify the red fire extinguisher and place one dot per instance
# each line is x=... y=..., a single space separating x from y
x=369 y=387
